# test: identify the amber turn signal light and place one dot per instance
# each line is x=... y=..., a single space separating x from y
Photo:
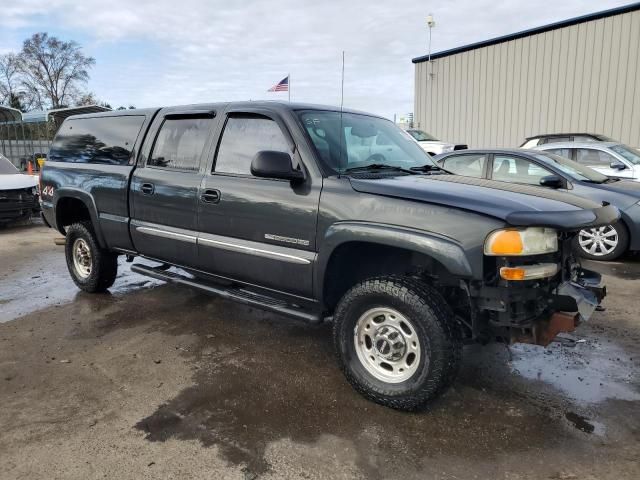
x=529 y=272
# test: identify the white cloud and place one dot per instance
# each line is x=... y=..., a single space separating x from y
x=200 y=50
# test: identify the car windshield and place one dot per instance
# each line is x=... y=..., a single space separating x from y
x=6 y=167
x=627 y=153
x=347 y=141
x=571 y=168
x=422 y=136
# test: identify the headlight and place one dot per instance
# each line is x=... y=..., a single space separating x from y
x=528 y=241
x=447 y=148
x=34 y=191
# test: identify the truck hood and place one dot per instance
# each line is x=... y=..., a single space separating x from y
x=517 y=205
x=15 y=181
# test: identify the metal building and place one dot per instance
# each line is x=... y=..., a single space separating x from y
x=581 y=74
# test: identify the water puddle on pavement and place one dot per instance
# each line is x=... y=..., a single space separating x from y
x=590 y=372
x=44 y=281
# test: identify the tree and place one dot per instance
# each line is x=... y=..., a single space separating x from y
x=53 y=71
x=9 y=80
x=87 y=98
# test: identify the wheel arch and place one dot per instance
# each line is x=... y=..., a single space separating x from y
x=347 y=250
x=74 y=205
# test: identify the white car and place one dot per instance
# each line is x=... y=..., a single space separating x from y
x=18 y=193
x=431 y=144
x=613 y=159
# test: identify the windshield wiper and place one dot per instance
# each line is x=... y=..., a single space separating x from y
x=427 y=168
x=379 y=166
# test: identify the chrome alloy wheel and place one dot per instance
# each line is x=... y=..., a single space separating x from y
x=82 y=258
x=387 y=345
x=598 y=241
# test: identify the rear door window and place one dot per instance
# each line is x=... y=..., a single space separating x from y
x=108 y=139
x=243 y=137
x=469 y=165
x=563 y=152
x=180 y=143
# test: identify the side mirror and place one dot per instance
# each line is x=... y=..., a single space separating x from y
x=617 y=165
x=272 y=164
x=551 y=181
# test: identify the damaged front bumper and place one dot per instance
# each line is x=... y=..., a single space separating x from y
x=581 y=296
x=537 y=314
x=572 y=303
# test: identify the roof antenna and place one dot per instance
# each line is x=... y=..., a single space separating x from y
x=342 y=85
x=341 y=133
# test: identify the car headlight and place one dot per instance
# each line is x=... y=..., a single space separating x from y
x=34 y=191
x=528 y=241
x=447 y=148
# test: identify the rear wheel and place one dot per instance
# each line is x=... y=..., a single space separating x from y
x=397 y=341
x=603 y=243
x=93 y=269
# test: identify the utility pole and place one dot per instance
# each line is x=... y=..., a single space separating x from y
x=430 y=23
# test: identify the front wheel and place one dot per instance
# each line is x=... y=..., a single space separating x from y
x=92 y=268
x=603 y=243
x=397 y=341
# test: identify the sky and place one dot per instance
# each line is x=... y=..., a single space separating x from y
x=172 y=52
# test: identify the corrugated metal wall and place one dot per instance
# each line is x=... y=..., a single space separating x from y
x=584 y=77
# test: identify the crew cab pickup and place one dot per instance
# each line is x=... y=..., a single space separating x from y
x=323 y=215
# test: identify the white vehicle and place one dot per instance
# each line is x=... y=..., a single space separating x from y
x=613 y=159
x=18 y=192
x=431 y=144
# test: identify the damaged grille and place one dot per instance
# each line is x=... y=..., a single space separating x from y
x=15 y=203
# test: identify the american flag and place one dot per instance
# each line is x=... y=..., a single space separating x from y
x=281 y=86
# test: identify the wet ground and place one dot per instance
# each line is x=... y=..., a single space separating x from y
x=157 y=381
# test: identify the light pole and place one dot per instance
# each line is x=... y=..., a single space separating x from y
x=430 y=23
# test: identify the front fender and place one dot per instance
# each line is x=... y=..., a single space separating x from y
x=87 y=200
x=442 y=249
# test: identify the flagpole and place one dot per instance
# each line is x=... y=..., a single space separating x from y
x=289 y=89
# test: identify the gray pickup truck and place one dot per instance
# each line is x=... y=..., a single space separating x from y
x=321 y=214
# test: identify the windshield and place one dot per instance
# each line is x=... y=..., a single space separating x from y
x=627 y=153
x=6 y=167
x=357 y=141
x=422 y=136
x=571 y=168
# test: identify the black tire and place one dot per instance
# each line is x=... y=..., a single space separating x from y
x=622 y=246
x=434 y=324
x=104 y=264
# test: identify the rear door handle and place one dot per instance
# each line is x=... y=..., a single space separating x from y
x=210 y=196
x=147 y=188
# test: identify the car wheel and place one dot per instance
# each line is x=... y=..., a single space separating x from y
x=93 y=269
x=603 y=243
x=397 y=341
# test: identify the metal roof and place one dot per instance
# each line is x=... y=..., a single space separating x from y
x=8 y=114
x=59 y=114
x=532 y=31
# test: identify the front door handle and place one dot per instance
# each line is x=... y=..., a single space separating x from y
x=210 y=196
x=147 y=188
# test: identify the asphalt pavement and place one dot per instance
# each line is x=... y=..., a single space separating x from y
x=158 y=381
